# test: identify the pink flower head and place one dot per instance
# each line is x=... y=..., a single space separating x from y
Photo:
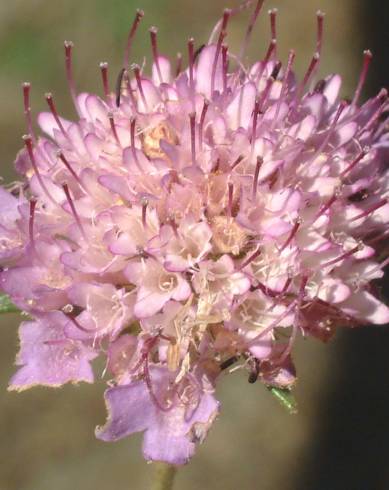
x=199 y=217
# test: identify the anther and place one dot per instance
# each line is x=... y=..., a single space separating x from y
x=367 y=56
x=138 y=17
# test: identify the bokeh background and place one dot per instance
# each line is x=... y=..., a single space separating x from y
x=340 y=437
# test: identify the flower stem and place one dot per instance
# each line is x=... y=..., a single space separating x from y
x=163 y=476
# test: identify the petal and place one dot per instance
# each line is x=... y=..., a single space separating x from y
x=48 y=358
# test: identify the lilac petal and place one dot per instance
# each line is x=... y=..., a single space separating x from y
x=47 y=358
x=170 y=435
x=130 y=410
x=173 y=438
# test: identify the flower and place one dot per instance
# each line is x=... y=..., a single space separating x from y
x=195 y=219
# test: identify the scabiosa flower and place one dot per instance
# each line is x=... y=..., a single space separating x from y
x=194 y=219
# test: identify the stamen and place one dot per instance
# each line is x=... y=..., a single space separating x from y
x=320 y=24
x=250 y=259
x=230 y=199
x=119 y=86
x=367 y=56
x=191 y=64
x=104 y=76
x=250 y=28
x=154 y=46
x=31 y=222
x=179 y=64
x=273 y=26
x=327 y=205
x=363 y=153
x=144 y=203
x=69 y=73
x=292 y=234
x=256 y=175
x=50 y=102
x=308 y=74
x=225 y=65
x=201 y=123
x=237 y=162
x=61 y=156
x=271 y=48
x=136 y=69
x=289 y=346
x=222 y=35
x=133 y=147
x=138 y=17
x=254 y=127
x=371 y=209
x=113 y=128
x=148 y=382
x=192 y=118
x=27 y=109
x=382 y=97
x=341 y=257
x=73 y=210
x=342 y=105
x=198 y=51
x=291 y=58
x=28 y=143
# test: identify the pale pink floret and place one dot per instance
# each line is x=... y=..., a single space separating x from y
x=199 y=217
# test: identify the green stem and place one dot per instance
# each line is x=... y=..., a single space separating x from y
x=163 y=476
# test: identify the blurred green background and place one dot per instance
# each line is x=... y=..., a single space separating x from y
x=46 y=436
